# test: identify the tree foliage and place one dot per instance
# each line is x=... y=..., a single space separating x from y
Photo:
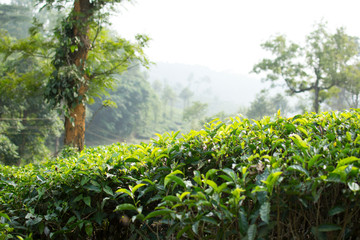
x=263 y=105
x=27 y=125
x=316 y=67
x=132 y=104
x=85 y=59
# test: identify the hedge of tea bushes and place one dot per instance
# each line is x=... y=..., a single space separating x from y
x=280 y=178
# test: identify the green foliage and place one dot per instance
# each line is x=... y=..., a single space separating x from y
x=87 y=57
x=264 y=106
x=133 y=97
x=16 y=18
x=26 y=123
x=316 y=67
x=195 y=111
x=278 y=179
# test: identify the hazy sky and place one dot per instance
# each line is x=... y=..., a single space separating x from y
x=226 y=35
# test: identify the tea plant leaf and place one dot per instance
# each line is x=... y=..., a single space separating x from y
x=137 y=187
x=313 y=160
x=125 y=206
x=230 y=173
x=89 y=229
x=271 y=180
x=265 y=212
x=347 y=160
x=84 y=180
x=163 y=212
x=299 y=169
x=299 y=142
x=243 y=223
x=209 y=220
x=4 y=216
x=183 y=195
x=123 y=190
x=171 y=198
x=336 y=210
x=108 y=190
x=328 y=228
x=175 y=179
x=212 y=184
x=182 y=231
x=78 y=198
x=210 y=173
x=251 y=232
x=87 y=201
x=132 y=160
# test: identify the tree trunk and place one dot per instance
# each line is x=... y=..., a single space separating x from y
x=317 y=90
x=316 y=100
x=75 y=127
x=75 y=122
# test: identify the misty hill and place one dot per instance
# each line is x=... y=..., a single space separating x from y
x=223 y=91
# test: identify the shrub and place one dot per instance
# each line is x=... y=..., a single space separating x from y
x=284 y=178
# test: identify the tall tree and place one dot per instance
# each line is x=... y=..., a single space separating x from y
x=74 y=77
x=316 y=67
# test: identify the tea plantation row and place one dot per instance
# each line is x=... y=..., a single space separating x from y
x=285 y=178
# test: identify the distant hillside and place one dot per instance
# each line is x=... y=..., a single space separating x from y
x=221 y=90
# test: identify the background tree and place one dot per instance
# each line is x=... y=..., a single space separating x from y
x=263 y=105
x=186 y=95
x=195 y=112
x=168 y=97
x=132 y=98
x=27 y=126
x=316 y=67
x=259 y=107
x=80 y=71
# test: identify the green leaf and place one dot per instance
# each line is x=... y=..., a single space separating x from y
x=5 y=216
x=108 y=190
x=328 y=228
x=156 y=213
x=182 y=231
x=299 y=169
x=251 y=232
x=336 y=210
x=84 y=180
x=78 y=198
x=183 y=195
x=137 y=187
x=171 y=198
x=212 y=184
x=87 y=201
x=73 y=48
x=175 y=179
x=271 y=180
x=298 y=141
x=210 y=173
x=123 y=190
x=93 y=188
x=89 y=229
x=313 y=160
x=125 y=206
x=347 y=160
x=131 y=160
x=265 y=212
x=208 y=220
x=231 y=173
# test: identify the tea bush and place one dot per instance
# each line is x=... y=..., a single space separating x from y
x=281 y=178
